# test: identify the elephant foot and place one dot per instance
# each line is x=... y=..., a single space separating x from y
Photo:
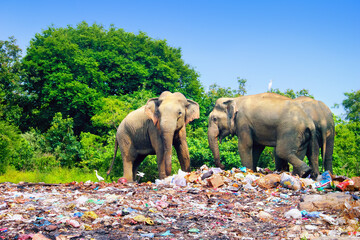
x=303 y=171
x=220 y=165
x=314 y=175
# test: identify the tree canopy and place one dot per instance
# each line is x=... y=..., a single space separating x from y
x=69 y=70
x=10 y=79
x=352 y=105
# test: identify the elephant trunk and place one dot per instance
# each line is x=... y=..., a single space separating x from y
x=168 y=137
x=213 y=133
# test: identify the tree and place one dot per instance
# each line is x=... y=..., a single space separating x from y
x=70 y=69
x=352 y=105
x=10 y=71
x=290 y=93
x=241 y=90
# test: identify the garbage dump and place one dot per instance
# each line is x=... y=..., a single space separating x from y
x=208 y=203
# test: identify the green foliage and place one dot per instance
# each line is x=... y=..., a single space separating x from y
x=9 y=142
x=62 y=142
x=198 y=145
x=138 y=98
x=97 y=152
x=267 y=159
x=201 y=154
x=31 y=155
x=290 y=93
x=10 y=73
x=73 y=70
x=229 y=154
x=347 y=148
x=110 y=114
x=352 y=105
x=241 y=91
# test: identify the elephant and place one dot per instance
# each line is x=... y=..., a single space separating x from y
x=261 y=120
x=154 y=129
x=325 y=131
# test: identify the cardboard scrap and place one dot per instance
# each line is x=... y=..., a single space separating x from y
x=215 y=181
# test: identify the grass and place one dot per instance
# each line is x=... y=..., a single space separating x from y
x=55 y=175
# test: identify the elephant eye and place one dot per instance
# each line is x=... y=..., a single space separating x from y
x=180 y=112
x=215 y=119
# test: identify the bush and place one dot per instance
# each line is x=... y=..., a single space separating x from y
x=346 y=149
x=62 y=142
x=97 y=152
x=9 y=142
x=31 y=154
x=267 y=159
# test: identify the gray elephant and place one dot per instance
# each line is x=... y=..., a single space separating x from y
x=154 y=129
x=325 y=131
x=259 y=121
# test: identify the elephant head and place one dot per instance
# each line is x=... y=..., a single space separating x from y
x=170 y=112
x=221 y=124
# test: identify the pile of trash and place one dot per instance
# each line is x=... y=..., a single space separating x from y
x=205 y=204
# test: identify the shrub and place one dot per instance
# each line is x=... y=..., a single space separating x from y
x=9 y=141
x=62 y=142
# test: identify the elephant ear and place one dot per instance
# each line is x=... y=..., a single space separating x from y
x=231 y=113
x=151 y=109
x=192 y=111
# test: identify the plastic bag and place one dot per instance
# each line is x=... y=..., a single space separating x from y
x=324 y=180
x=342 y=186
x=290 y=182
x=293 y=213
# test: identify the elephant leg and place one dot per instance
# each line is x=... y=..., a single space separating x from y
x=128 y=161
x=257 y=150
x=281 y=164
x=128 y=155
x=161 y=165
x=182 y=150
x=137 y=163
x=313 y=161
x=160 y=159
x=245 y=146
x=284 y=151
x=328 y=155
x=328 y=164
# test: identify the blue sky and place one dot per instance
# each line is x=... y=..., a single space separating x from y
x=312 y=45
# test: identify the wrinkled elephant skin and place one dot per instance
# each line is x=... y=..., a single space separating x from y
x=325 y=132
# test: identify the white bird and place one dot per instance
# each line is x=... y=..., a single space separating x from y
x=140 y=174
x=270 y=85
x=100 y=178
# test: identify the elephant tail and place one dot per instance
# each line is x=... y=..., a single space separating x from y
x=115 y=151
